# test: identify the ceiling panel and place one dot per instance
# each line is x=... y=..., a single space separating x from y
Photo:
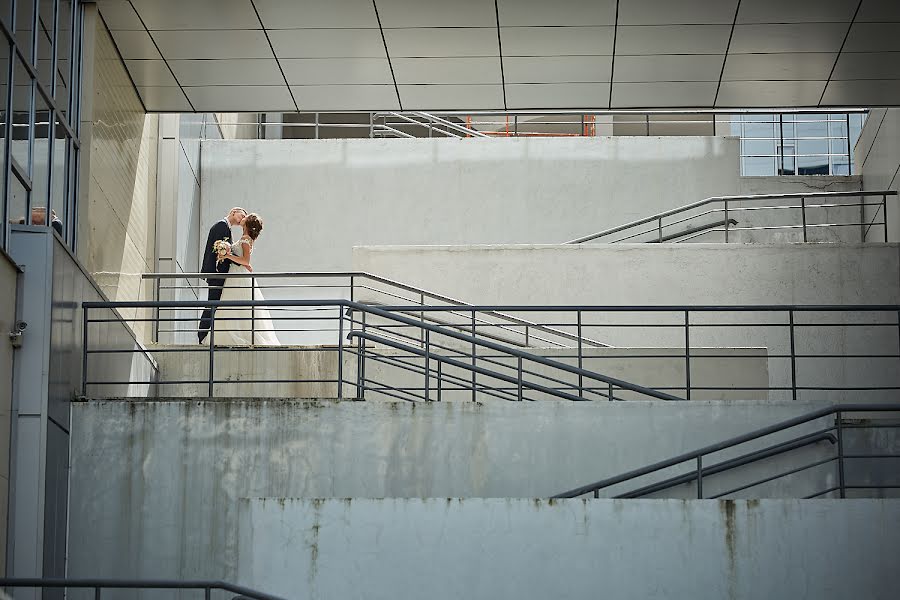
x=418 y=13
x=669 y=94
x=558 y=96
x=666 y=12
x=245 y=71
x=878 y=11
x=233 y=43
x=135 y=44
x=873 y=37
x=797 y=11
x=150 y=73
x=867 y=65
x=557 y=41
x=118 y=14
x=327 y=43
x=561 y=12
x=676 y=39
x=806 y=65
x=164 y=99
x=442 y=42
x=197 y=14
x=334 y=71
x=798 y=37
x=739 y=94
x=346 y=97
x=871 y=92
x=295 y=14
x=690 y=67
x=556 y=69
x=446 y=70
x=451 y=97
x=240 y=98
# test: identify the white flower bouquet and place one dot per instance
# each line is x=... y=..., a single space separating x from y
x=222 y=248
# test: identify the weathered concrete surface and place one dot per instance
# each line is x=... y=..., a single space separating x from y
x=155 y=485
x=482 y=548
x=877 y=157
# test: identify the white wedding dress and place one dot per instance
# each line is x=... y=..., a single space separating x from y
x=242 y=326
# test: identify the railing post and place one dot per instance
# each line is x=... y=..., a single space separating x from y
x=340 y=365
x=352 y=285
x=317 y=125
x=884 y=215
x=687 y=355
x=803 y=215
x=699 y=477
x=371 y=125
x=252 y=310
x=156 y=310
x=726 y=221
x=439 y=377
x=840 y=448
x=473 y=355
x=212 y=354
x=96 y=593
x=659 y=228
x=361 y=362
x=422 y=318
x=84 y=351
x=793 y=356
x=207 y=593
x=427 y=365
x=526 y=336
x=519 y=382
x=580 y=357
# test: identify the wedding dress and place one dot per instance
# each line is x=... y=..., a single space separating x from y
x=242 y=326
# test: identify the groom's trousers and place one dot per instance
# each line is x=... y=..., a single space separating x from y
x=214 y=293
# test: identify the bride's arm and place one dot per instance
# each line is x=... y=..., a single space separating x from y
x=241 y=260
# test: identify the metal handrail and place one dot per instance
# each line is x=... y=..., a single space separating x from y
x=146 y=584
x=661 y=215
x=729 y=443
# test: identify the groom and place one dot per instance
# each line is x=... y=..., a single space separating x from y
x=220 y=231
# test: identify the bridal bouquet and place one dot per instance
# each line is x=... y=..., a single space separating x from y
x=221 y=248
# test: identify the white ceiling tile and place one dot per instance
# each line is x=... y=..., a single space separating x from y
x=118 y=14
x=346 y=97
x=557 y=41
x=814 y=66
x=446 y=70
x=557 y=96
x=246 y=71
x=796 y=37
x=683 y=67
x=797 y=11
x=764 y=94
x=873 y=37
x=562 y=12
x=451 y=97
x=293 y=14
x=878 y=11
x=197 y=14
x=442 y=42
x=673 y=39
x=240 y=98
x=233 y=43
x=135 y=44
x=867 y=65
x=667 y=12
x=327 y=43
x=556 y=69
x=150 y=73
x=331 y=71
x=164 y=99
x=871 y=92
x=419 y=13
x=689 y=94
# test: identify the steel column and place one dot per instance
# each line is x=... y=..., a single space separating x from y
x=840 y=447
x=793 y=356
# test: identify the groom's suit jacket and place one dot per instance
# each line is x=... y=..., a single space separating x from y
x=219 y=231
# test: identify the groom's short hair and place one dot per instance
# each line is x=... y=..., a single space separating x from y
x=243 y=210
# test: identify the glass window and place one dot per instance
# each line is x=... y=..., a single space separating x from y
x=25 y=28
x=758 y=147
x=837 y=128
x=812 y=165
x=838 y=146
x=840 y=165
x=45 y=33
x=5 y=51
x=759 y=130
x=21 y=114
x=63 y=53
x=758 y=166
x=812 y=146
x=40 y=166
x=807 y=129
x=788 y=166
x=59 y=177
x=18 y=201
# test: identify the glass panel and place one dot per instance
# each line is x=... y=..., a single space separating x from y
x=6 y=12
x=5 y=50
x=18 y=201
x=839 y=165
x=789 y=166
x=812 y=165
x=759 y=130
x=753 y=166
x=40 y=166
x=758 y=147
x=21 y=114
x=63 y=53
x=856 y=125
x=788 y=130
x=25 y=27
x=806 y=129
x=812 y=146
x=837 y=128
x=838 y=146
x=58 y=177
x=46 y=24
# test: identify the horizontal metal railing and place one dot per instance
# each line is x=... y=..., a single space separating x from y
x=729 y=206
x=98 y=585
x=835 y=435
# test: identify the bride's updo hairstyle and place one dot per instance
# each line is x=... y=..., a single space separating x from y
x=254 y=225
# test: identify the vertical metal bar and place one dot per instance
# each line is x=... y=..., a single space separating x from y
x=647 y=120
x=371 y=125
x=687 y=355
x=803 y=215
x=780 y=145
x=519 y=379
x=439 y=377
x=580 y=357
x=849 y=148
x=84 y=351
x=793 y=356
x=582 y=126
x=526 y=335
x=340 y=365
x=659 y=228
x=884 y=216
x=427 y=365
x=317 y=125
x=96 y=593
x=207 y=594
x=726 y=221
x=596 y=493
x=352 y=283
x=840 y=445
x=422 y=318
x=156 y=310
x=515 y=125
x=611 y=396
x=212 y=345
x=699 y=477
x=361 y=368
x=252 y=310
x=473 y=355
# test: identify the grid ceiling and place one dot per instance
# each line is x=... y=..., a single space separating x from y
x=471 y=55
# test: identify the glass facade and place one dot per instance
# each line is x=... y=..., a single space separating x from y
x=797 y=143
x=40 y=46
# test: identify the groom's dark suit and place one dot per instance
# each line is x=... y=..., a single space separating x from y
x=219 y=231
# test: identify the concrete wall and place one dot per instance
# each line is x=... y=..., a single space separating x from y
x=8 y=287
x=682 y=274
x=322 y=197
x=117 y=207
x=877 y=157
x=446 y=548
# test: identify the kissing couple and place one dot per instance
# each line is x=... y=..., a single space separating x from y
x=237 y=326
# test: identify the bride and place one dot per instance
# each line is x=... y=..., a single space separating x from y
x=244 y=326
